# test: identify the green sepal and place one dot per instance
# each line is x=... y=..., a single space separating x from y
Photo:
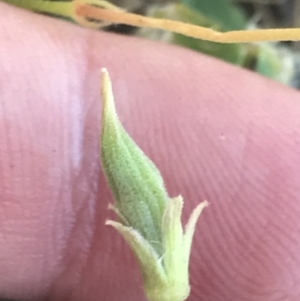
x=136 y=184
x=165 y=278
x=149 y=262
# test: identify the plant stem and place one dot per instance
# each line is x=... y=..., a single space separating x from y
x=198 y=32
x=58 y=8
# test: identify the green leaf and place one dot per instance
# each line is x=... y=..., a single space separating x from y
x=275 y=63
x=222 y=12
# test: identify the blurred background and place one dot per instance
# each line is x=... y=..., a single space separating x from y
x=279 y=61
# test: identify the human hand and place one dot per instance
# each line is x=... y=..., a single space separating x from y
x=216 y=132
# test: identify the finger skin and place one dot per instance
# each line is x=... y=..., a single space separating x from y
x=216 y=132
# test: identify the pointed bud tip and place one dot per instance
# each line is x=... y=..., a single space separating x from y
x=108 y=222
x=205 y=203
x=109 y=110
x=105 y=79
x=104 y=71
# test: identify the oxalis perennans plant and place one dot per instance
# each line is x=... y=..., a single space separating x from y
x=149 y=220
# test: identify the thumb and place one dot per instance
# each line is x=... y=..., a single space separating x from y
x=216 y=133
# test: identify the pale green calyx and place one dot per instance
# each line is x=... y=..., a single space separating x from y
x=150 y=221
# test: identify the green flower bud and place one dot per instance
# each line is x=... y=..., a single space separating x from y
x=150 y=221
